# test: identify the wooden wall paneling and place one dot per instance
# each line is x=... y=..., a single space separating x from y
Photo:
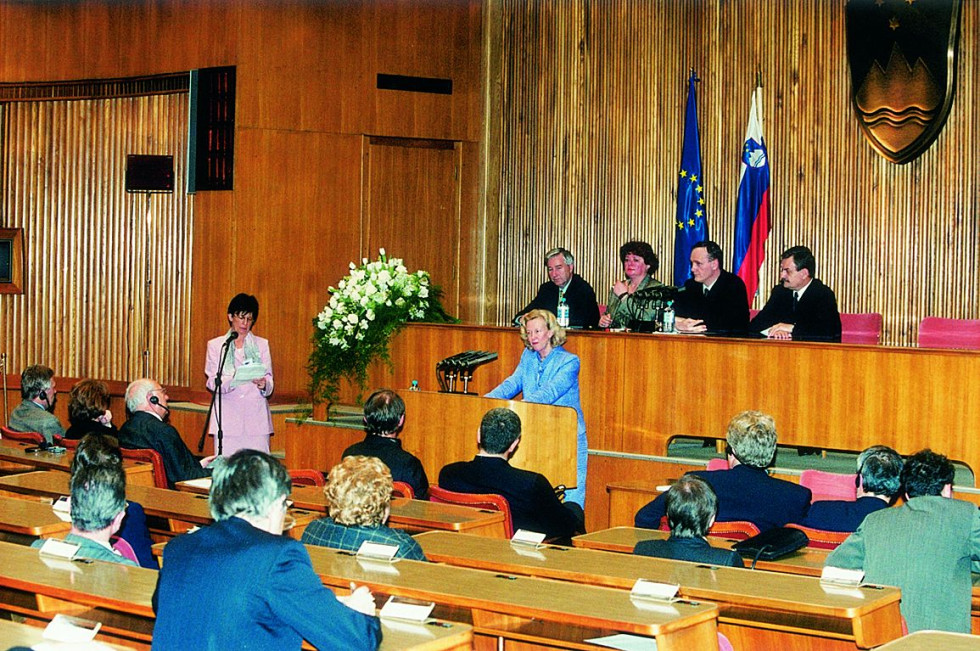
x=474 y=256
x=585 y=88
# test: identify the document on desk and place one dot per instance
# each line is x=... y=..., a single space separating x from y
x=626 y=642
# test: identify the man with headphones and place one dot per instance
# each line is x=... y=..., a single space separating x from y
x=147 y=427
x=33 y=414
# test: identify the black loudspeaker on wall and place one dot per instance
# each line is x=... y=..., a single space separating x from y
x=211 y=138
x=149 y=173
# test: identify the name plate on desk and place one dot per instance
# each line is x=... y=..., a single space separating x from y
x=62 y=508
x=841 y=577
x=377 y=551
x=525 y=537
x=396 y=608
x=59 y=549
x=71 y=630
x=652 y=590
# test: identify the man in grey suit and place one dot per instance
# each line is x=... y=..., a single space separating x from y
x=33 y=414
x=925 y=547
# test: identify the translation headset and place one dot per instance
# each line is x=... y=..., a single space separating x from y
x=156 y=401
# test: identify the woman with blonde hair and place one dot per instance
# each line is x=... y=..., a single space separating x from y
x=548 y=374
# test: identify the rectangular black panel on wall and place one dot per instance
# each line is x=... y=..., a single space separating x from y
x=211 y=141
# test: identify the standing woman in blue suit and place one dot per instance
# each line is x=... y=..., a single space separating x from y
x=548 y=374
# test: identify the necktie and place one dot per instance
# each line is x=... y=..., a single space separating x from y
x=796 y=300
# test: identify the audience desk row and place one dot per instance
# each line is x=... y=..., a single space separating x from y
x=16 y=452
x=756 y=610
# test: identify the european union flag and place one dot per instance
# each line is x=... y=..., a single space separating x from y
x=691 y=225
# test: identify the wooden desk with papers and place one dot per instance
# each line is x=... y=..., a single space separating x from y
x=23 y=520
x=756 y=610
x=411 y=515
x=525 y=609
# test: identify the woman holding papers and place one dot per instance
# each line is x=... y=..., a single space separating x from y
x=246 y=380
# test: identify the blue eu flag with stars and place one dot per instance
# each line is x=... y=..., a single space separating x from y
x=691 y=224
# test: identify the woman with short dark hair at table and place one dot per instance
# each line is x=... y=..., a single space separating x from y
x=548 y=374
x=639 y=265
x=88 y=410
x=246 y=381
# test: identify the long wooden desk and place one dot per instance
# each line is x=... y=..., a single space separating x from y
x=22 y=635
x=761 y=610
x=23 y=520
x=411 y=515
x=934 y=641
x=137 y=472
x=174 y=506
x=120 y=598
x=525 y=609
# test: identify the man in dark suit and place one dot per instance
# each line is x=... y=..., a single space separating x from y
x=384 y=416
x=147 y=428
x=800 y=307
x=240 y=584
x=878 y=482
x=533 y=503
x=745 y=491
x=691 y=510
x=565 y=285
x=713 y=300
x=33 y=414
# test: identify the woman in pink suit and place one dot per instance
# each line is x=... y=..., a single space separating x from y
x=245 y=418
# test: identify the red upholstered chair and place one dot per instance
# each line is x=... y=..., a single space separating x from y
x=154 y=459
x=402 y=489
x=717 y=464
x=71 y=444
x=489 y=501
x=735 y=529
x=307 y=477
x=821 y=538
x=860 y=328
x=35 y=438
x=829 y=485
x=936 y=332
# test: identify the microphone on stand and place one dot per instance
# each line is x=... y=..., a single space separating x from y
x=232 y=336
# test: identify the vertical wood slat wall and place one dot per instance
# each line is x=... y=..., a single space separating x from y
x=88 y=296
x=590 y=105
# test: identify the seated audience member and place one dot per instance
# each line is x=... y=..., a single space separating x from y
x=33 y=414
x=800 y=306
x=98 y=505
x=712 y=300
x=88 y=410
x=97 y=450
x=564 y=285
x=358 y=494
x=745 y=491
x=624 y=308
x=926 y=547
x=533 y=503
x=384 y=417
x=691 y=510
x=147 y=428
x=240 y=584
x=879 y=481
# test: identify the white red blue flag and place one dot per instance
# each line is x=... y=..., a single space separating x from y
x=752 y=211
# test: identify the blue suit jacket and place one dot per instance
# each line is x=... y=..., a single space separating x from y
x=838 y=515
x=744 y=493
x=234 y=586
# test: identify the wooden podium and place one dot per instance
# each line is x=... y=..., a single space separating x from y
x=441 y=428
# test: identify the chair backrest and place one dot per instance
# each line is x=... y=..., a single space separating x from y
x=735 y=529
x=402 y=489
x=717 y=463
x=154 y=459
x=307 y=477
x=24 y=437
x=490 y=501
x=860 y=328
x=936 y=332
x=124 y=548
x=829 y=485
x=821 y=538
x=71 y=444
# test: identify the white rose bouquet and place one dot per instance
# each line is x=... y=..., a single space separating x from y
x=366 y=308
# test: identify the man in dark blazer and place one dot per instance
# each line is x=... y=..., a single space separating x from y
x=878 y=482
x=927 y=547
x=800 y=307
x=240 y=584
x=533 y=503
x=147 y=428
x=712 y=300
x=691 y=510
x=564 y=283
x=745 y=491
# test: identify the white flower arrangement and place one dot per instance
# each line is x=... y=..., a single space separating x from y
x=366 y=308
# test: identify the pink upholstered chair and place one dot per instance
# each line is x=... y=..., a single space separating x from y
x=829 y=485
x=717 y=464
x=936 y=332
x=861 y=328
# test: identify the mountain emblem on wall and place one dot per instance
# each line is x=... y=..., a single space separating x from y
x=902 y=55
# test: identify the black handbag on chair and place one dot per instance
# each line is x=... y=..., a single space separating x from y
x=772 y=544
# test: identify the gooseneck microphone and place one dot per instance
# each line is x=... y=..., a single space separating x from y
x=232 y=336
x=156 y=401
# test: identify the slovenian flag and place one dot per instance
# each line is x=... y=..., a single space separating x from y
x=752 y=223
x=691 y=224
